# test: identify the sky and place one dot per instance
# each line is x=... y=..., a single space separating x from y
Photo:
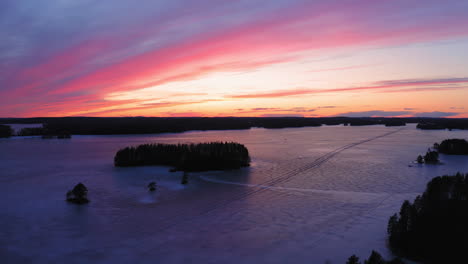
x=234 y=58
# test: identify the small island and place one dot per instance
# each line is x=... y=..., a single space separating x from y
x=5 y=131
x=430 y=126
x=431 y=157
x=186 y=157
x=452 y=147
x=79 y=194
x=433 y=229
x=152 y=186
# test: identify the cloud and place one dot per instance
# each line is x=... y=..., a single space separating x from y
x=376 y=113
x=435 y=114
x=263 y=109
x=380 y=113
x=282 y=115
x=300 y=109
x=381 y=86
x=328 y=106
x=275 y=94
x=342 y=68
x=275 y=110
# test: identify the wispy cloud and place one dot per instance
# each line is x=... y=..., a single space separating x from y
x=381 y=86
x=274 y=110
x=342 y=68
x=435 y=114
x=328 y=106
x=376 y=113
x=380 y=113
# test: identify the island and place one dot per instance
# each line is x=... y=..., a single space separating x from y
x=5 y=131
x=430 y=126
x=152 y=186
x=431 y=157
x=186 y=157
x=441 y=123
x=78 y=195
x=452 y=147
x=433 y=229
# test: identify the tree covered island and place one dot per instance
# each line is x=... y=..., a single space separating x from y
x=431 y=157
x=5 y=131
x=448 y=147
x=186 y=157
x=78 y=195
x=452 y=147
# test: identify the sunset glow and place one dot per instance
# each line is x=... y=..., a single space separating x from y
x=234 y=58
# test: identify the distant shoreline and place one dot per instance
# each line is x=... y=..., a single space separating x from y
x=158 y=125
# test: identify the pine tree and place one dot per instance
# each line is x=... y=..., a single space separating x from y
x=353 y=260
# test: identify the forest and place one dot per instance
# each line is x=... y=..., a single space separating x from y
x=374 y=258
x=443 y=123
x=433 y=229
x=153 y=125
x=186 y=157
x=452 y=147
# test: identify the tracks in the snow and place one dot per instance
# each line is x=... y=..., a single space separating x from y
x=286 y=176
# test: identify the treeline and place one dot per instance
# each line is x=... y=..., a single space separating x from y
x=434 y=228
x=452 y=147
x=5 y=131
x=45 y=132
x=374 y=258
x=443 y=123
x=152 y=125
x=31 y=131
x=186 y=157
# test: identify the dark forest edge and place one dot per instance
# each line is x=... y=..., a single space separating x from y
x=152 y=125
x=186 y=157
x=433 y=229
x=374 y=258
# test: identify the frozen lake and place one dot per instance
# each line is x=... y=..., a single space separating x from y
x=311 y=195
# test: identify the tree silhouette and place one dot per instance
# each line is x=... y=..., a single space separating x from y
x=431 y=157
x=433 y=228
x=420 y=159
x=184 y=178
x=186 y=157
x=152 y=186
x=353 y=260
x=5 y=131
x=78 y=195
x=374 y=258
